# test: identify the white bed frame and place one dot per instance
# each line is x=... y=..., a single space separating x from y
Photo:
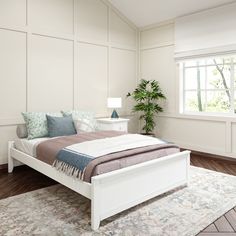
x=118 y=190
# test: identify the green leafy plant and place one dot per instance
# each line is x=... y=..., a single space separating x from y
x=146 y=95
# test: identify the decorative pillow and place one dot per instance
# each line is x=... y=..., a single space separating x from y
x=83 y=125
x=84 y=120
x=36 y=123
x=21 y=131
x=60 y=126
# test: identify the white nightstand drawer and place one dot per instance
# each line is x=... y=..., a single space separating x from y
x=113 y=124
x=121 y=127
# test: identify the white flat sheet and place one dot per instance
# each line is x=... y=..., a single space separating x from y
x=28 y=146
x=104 y=146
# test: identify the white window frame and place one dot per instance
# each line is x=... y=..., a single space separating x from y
x=205 y=113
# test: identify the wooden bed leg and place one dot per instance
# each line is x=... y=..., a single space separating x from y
x=10 y=159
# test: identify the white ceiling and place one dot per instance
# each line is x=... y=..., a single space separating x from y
x=147 y=12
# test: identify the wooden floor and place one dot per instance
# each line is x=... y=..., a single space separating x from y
x=22 y=180
x=25 y=179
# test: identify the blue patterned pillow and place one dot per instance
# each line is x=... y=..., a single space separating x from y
x=36 y=123
x=60 y=126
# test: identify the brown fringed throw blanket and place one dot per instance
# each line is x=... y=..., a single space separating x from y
x=88 y=154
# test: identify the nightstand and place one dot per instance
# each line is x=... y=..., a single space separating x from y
x=119 y=124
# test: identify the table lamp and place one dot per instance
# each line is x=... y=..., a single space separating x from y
x=114 y=103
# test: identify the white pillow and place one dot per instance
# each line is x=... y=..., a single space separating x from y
x=84 y=120
x=83 y=125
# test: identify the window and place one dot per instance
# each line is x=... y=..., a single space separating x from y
x=209 y=85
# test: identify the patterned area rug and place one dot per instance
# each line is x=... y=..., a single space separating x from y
x=57 y=210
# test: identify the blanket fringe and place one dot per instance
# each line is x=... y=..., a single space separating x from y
x=68 y=169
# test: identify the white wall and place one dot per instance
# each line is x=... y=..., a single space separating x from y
x=62 y=54
x=207 y=134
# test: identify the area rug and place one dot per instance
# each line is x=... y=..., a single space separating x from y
x=57 y=210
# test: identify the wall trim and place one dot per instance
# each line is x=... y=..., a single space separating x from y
x=119 y=13
x=202 y=149
x=199 y=117
x=151 y=47
x=3 y=166
x=157 y=25
x=212 y=156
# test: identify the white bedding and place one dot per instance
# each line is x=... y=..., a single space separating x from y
x=28 y=146
x=101 y=147
x=93 y=148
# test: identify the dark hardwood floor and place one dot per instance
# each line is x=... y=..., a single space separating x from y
x=211 y=163
x=22 y=180
x=25 y=179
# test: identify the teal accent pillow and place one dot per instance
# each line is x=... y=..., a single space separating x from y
x=36 y=123
x=60 y=126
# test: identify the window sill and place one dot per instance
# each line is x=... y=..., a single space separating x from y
x=204 y=117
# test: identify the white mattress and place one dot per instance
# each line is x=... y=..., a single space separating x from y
x=28 y=146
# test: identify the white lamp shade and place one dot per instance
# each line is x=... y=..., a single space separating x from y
x=114 y=102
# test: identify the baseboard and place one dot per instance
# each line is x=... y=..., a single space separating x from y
x=16 y=164
x=206 y=150
x=212 y=156
x=4 y=166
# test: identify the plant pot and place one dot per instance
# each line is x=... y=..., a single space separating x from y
x=149 y=134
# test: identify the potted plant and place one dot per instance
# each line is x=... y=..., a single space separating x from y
x=146 y=95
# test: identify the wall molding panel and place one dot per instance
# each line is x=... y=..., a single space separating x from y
x=59 y=39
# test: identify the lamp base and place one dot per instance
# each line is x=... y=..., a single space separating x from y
x=114 y=115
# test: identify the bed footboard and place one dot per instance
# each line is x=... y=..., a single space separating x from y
x=119 y=190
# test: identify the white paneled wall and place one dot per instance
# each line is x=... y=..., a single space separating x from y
x=6 y=133
x=194 y=134
x=123 y=70
x=93 y=69
x=63 y=54
x=121 y=33
x=233 y=135
x=215 y=135
x=51 y=15
x=158 y=64
x=92 y=20
x=50 y=68
x=12 y=73
x=13 y=13
x=157 y=37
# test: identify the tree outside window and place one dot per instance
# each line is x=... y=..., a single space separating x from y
x=209 y=85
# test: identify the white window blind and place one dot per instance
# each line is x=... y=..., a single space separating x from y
x=207 y=33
